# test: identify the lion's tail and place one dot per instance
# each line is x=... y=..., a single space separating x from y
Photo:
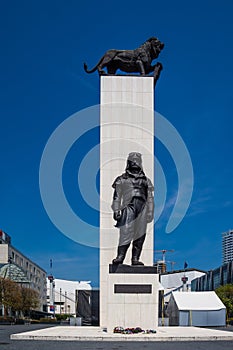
x=91 y=70
x=94 y=68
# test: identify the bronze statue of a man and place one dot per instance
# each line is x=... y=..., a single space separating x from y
x=133 y=208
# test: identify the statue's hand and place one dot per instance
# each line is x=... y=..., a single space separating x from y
x=117 y=215
x=150 y=217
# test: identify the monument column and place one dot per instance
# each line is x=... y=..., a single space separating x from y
x=128 y=295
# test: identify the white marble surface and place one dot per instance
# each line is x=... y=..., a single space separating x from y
x=132 y=310
x=126 y=125
x=69 y=333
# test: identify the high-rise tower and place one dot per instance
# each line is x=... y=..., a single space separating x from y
x=227 y=246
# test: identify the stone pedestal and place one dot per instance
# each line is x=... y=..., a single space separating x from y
x=132 y=299
x=126 y=125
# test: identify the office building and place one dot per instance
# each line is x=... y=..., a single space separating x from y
x=227 y=246
x=178 y=280
x=16 y=266
x=61 y=295
x=214 y=278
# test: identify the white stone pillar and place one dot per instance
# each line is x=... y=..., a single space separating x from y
x=126 y=125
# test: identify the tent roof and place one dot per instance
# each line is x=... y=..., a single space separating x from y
x=197 y=301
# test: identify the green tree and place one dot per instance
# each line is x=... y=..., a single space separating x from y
x=30 y=299
x=10 y=294
x=225 y=293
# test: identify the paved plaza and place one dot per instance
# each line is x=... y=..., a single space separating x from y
x=69 y=333
x=7 y=343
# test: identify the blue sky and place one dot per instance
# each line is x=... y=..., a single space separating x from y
x=43 y=47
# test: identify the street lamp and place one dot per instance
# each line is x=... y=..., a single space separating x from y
x=60 y=301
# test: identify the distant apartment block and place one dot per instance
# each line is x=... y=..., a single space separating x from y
x=227 y=246
x=34 y=274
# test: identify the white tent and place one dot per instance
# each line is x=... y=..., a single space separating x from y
x=196 y=309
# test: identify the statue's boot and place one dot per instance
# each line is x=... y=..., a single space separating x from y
x=121 y=253
x=137 y=249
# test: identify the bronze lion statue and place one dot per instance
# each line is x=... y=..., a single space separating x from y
x=131 y=61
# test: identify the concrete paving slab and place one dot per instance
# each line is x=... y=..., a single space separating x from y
x=70 y=333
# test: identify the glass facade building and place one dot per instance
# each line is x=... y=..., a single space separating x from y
x=227 y=246
x=214 y=278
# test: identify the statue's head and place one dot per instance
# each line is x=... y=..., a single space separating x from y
x=134 y=162
x=156 y=46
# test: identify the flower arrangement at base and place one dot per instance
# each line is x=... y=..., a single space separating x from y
x=136 y=330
